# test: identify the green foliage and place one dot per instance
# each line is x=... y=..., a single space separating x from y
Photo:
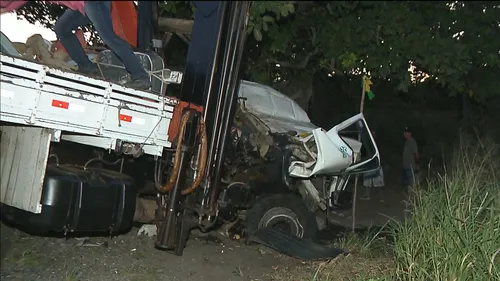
x=41 y=12
x=264 y=14
x=348 y=60
x=177 y=9
x=453 y=42
x=453 y=232
x=383 y=37
x=46 y=14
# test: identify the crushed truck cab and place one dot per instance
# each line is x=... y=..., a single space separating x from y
x=316 y=163
x=328 y=152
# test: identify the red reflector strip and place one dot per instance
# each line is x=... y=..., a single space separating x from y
x=125 y=118
x=60 y=104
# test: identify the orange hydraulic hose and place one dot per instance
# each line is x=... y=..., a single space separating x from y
x=177 y=161
x=203 y=160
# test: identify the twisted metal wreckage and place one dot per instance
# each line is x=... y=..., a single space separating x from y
x=224 y=151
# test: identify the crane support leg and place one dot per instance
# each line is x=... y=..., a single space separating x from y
x=173 y=223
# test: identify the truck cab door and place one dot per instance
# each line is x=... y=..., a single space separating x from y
x=339 y=152
x=369 y=159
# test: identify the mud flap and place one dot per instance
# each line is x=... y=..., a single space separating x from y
x=24 y=152
x=294 y=246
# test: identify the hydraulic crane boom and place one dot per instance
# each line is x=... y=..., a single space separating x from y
x=211 y=80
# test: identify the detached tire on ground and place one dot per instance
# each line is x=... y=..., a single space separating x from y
x=284 y=211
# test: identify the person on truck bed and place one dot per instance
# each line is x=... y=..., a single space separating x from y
x=81 y=13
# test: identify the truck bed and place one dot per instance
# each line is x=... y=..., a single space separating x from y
x=97 y=111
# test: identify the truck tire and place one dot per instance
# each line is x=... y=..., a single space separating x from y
x=284 y=211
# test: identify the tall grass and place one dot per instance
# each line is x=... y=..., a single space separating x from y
x=452 y=234
x=454 y=229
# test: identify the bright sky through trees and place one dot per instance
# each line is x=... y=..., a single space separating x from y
x=18 y=30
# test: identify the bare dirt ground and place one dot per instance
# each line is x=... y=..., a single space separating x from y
x=130 y=257
x=381 y=208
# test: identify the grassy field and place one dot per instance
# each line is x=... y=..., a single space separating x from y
x=452 y=232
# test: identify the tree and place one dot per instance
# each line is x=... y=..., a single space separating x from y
x=46 y=14
x=453 y=42
x=41 y=12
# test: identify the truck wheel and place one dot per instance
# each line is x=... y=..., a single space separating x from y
x=283 y=211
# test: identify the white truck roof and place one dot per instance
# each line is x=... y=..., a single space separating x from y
x=280 y=112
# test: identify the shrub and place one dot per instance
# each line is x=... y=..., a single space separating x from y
x=453 y=232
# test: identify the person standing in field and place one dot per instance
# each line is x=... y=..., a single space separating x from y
x=410 y=159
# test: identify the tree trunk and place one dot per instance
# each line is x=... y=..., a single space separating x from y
x=466 y=116
x=181 y=26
